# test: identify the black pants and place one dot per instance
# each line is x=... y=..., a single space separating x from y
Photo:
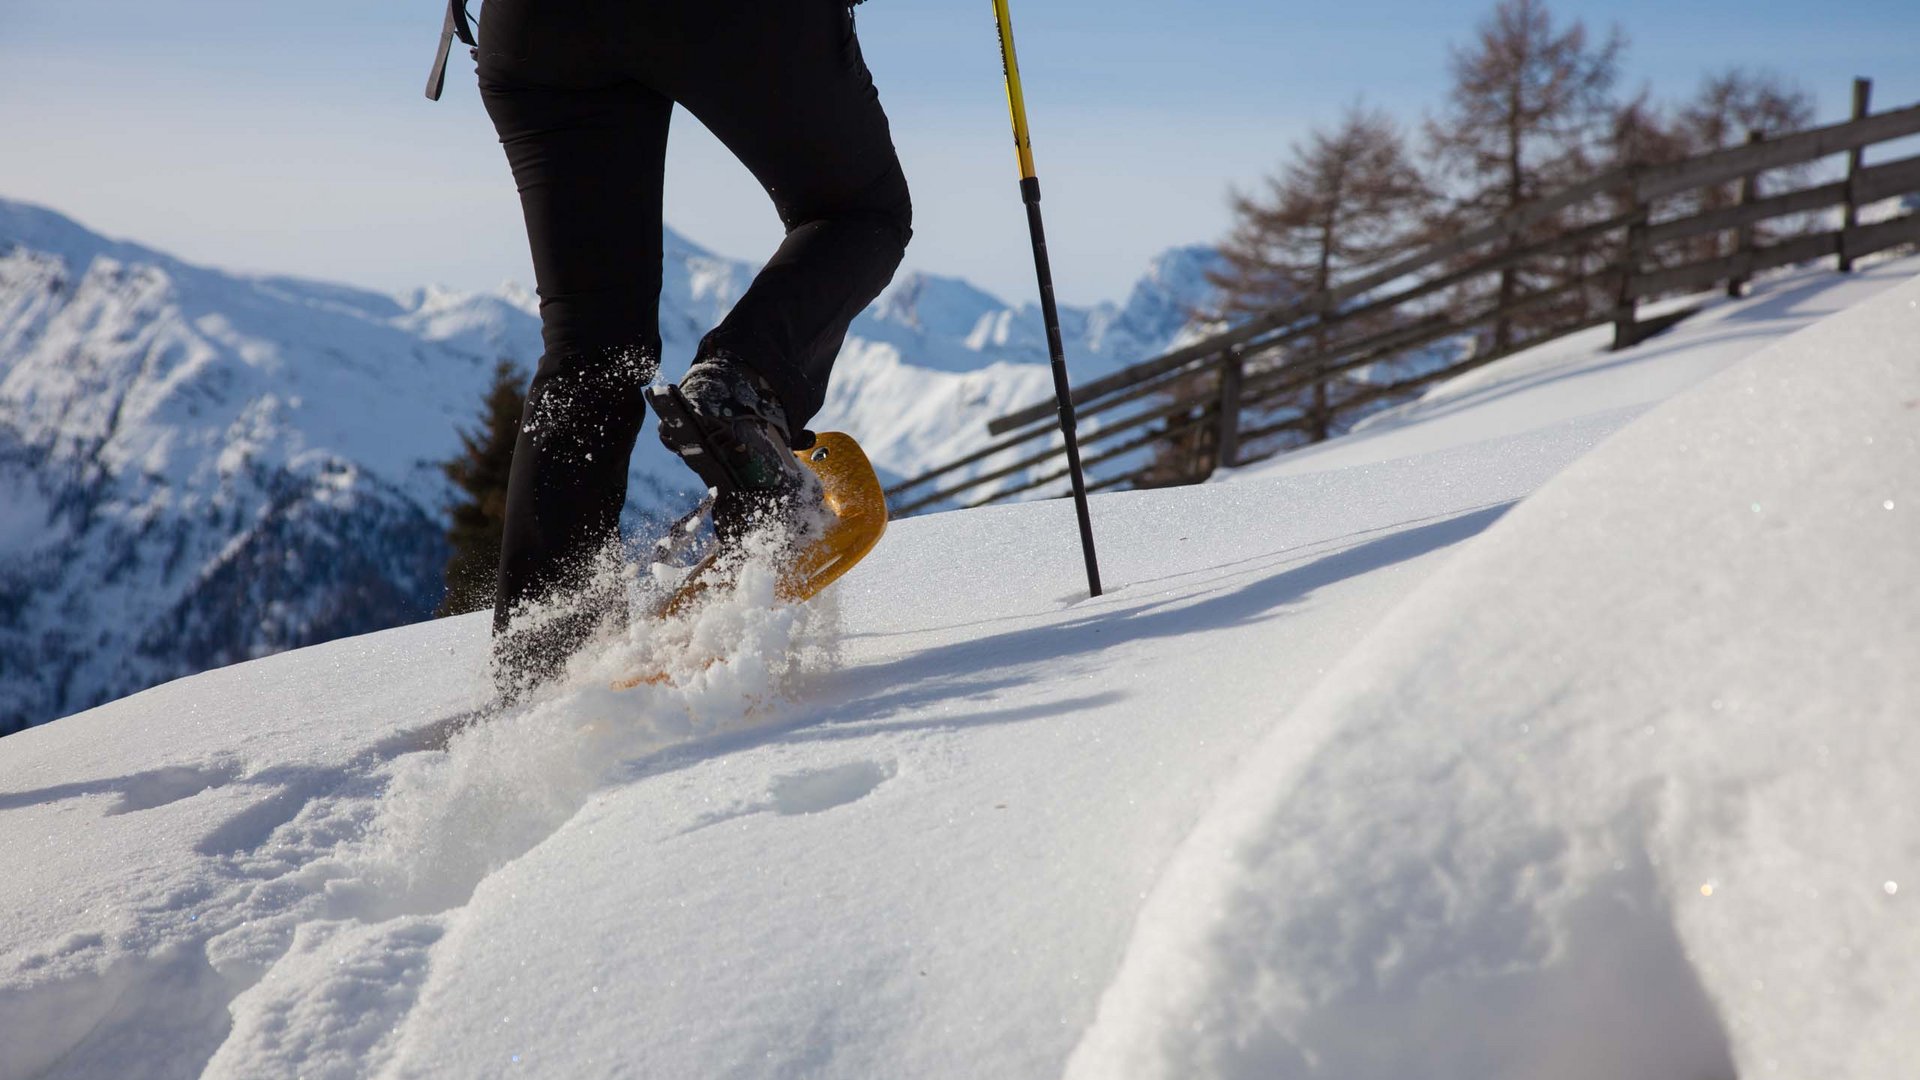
x=581 y=92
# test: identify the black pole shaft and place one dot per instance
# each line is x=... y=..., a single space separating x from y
x=1057 y=353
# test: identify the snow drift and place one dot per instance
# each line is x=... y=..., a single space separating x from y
x=1621 y=792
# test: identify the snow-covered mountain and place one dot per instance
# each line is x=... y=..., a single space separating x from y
x=198 y=467
x=949 y=325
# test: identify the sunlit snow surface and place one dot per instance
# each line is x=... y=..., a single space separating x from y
x=1485 y=757
x=1624 y=790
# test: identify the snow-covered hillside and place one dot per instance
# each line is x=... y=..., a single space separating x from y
x=201 y=467
x=1573 y=747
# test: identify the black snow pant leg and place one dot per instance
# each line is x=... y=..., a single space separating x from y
x=565 y=491
x=798 y=107
x=588 y=165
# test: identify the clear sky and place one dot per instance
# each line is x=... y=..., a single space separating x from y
x=258 y=135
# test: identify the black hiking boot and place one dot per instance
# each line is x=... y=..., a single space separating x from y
x=725 y=423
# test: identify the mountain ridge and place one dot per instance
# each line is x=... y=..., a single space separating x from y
x=205 y=466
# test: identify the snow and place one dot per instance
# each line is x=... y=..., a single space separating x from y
x=1405 y=764
x=1620 y=792
x=26 y=526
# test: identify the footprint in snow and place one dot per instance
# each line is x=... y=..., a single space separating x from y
x=815 y=790
x=810 y=792
x=160 y=787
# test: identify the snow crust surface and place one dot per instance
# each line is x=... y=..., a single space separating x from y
x=1621 y=792
x=1504 y=756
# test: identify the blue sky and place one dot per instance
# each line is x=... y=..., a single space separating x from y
x=294 y=138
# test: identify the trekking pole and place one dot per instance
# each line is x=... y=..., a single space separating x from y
x=1030 y=194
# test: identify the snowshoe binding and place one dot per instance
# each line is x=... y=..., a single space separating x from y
x=822 y=505
x=725 y=423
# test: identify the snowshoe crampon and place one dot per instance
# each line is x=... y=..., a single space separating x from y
x=856 y=508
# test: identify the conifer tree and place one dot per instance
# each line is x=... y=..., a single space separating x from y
x=1733 y=103
x=1727 y=110
x=1529 y=113
x=1731 y=107
x=1642 y=133
x=1344 y=199
x=480 y=473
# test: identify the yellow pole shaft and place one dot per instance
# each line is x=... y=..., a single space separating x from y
x=1016 y=101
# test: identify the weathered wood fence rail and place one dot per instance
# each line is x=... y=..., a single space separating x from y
x=1643 y=224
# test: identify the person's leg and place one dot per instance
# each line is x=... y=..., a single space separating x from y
x=783 y=85
x=588 y=161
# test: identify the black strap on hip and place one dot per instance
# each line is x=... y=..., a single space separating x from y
x=459 y=25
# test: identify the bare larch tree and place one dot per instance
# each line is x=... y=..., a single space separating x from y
x=1344 y=199
x=1529 y=112
x=1733 y=104
x=1731 y=107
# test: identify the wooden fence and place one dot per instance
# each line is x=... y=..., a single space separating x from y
x=1210 y=403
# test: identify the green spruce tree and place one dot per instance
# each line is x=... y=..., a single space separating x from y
x=480 y=473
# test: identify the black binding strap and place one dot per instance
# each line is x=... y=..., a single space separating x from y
x=457 y=25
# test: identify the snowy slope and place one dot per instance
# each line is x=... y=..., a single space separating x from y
x=965 y=738
x=1340 y=769
x=1622 y=791
x=202 y=467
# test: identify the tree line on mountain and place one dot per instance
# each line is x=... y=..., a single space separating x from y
x=1535 y=105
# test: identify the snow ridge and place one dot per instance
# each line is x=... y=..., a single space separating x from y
x=1617 y=793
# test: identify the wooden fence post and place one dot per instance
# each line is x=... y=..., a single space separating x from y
x=1862 y=93
x=1743 y=236
x=1232 y=375
x=1625 y=330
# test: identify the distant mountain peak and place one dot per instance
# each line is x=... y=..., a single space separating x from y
x=160 y=424
x=37 y=228
x=933 y=304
